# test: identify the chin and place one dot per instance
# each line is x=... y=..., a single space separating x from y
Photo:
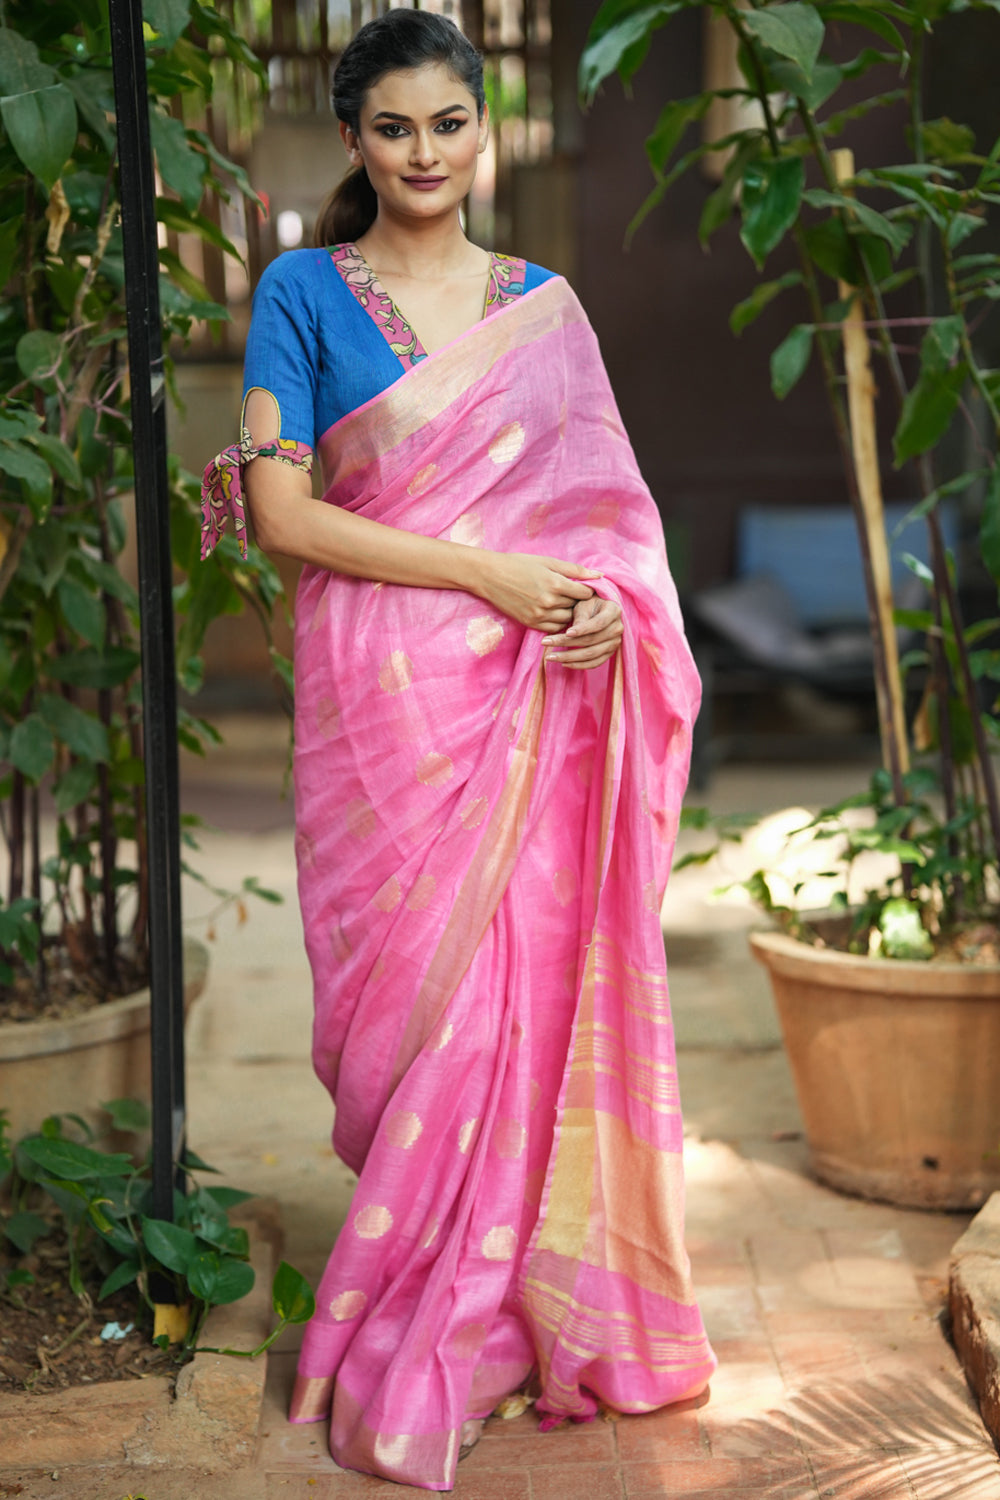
x=431 y=205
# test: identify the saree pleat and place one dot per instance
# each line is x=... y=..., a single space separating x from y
x=483 y=841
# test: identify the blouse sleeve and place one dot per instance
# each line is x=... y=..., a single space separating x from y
x=281 y=358
x=281 y=353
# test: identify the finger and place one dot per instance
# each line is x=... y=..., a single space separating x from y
x=590 y=624
x=571 y=570
x=554 y=621
x=584 y=654
x=571 y=588
x=592 y=659
x=605 y=632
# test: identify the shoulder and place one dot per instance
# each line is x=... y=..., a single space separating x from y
x=295 y=270
x=535 y=275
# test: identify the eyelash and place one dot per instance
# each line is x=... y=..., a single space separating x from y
x=389 y=130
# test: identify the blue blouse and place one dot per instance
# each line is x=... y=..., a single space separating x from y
x=315 y=348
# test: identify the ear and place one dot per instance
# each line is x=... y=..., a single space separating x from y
x=484 y=128
x=351 y=144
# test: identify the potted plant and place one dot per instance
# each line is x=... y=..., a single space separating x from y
x=889 y=1001
x=78 y=1232
x=73 y=916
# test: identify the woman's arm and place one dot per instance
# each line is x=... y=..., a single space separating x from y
x=538 y=592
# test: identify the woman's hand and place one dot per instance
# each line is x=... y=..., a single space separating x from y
x=540 y=592
x=592 y=639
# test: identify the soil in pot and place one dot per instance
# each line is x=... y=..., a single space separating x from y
x=72 y=987
x=52 y=1340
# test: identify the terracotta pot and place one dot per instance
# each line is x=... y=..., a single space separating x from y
x=71 y=1066
x=897 y=1070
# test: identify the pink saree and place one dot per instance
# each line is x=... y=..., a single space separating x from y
x=483 y=844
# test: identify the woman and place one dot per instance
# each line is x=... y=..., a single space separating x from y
x=492 y=733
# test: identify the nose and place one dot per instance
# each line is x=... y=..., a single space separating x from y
x=423 y=148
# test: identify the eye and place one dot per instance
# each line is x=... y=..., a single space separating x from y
x=393 y=130
x=448 y=127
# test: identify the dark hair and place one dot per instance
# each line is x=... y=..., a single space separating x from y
x=401 y=39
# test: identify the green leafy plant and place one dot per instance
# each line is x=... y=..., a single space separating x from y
x=897 y=248
x=58 y=1180
x=70 y=721
x=912 y=913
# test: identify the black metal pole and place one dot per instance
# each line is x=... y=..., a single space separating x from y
x=159 y=686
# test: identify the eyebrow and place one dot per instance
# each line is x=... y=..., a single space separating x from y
x=386 y=114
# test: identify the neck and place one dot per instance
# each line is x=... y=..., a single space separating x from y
x=424 y=250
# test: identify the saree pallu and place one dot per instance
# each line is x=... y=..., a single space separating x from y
x=483 y=842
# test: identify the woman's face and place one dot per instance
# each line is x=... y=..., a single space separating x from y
x=419 y=140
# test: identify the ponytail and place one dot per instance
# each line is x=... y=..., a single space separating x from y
x=348 y=212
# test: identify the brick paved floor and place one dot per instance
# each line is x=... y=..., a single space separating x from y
x=835 y=1381
x=835 y=1378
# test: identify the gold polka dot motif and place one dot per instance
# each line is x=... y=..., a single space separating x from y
x=340 y=945
x=653 y=652
x=507 y=444
x=421 y=893
x=538 y=518
x=422 y=480
x=603 y=515
x=564 y=885
x=404 y=1129
x=473 y=813
x=392 y=1450
x=443 y=1037
x=348 y=1305
x=389 y=895
x=435 y=769
x=483 y=635
x=360 y=818
x=372 y=1222
x=327 y=718
x=396 y=673
x=509 y=1139
x=499 y=1243
x=469 y=530
x=431 y=1233
x=468 y=1341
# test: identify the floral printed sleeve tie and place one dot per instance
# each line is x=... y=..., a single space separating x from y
x=222 y=485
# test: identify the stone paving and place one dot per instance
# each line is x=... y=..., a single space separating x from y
x=835 y=1377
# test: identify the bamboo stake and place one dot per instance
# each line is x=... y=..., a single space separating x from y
x=864 y=441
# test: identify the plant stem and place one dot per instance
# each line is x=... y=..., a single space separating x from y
x=109 y=847
x=106 y=822
x=15 y=876
x=942 y=692
x=942 y=577
x=246 y=1353
x=892 y=748
x=939 y=559
x=15 y=545
x=36 y=884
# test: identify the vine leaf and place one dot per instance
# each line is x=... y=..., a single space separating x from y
x=42 y=129
x=772 y=193
x=789 y=360
x=989 y=533
x=794 y=31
